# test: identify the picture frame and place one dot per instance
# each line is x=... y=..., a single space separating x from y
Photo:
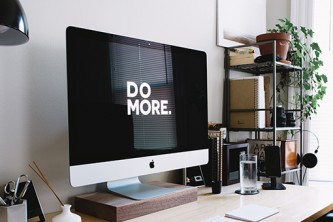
x=239 y=22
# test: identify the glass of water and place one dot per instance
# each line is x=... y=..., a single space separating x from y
x=248 y=173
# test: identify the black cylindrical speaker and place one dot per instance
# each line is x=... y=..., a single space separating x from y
x=310 y=160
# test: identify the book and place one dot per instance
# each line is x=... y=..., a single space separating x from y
x=267 y=82
x=247 y=95
x=252 y=212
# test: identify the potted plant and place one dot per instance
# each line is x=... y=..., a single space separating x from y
x=305 y=53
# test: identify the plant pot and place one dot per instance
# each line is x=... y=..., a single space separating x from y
x=282 y=44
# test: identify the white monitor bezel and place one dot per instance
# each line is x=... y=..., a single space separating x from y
x=86 y=174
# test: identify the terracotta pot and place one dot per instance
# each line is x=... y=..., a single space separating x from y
x=282 y=44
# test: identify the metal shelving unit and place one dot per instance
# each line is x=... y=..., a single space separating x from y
x=257 y=69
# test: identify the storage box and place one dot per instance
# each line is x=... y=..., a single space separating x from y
x=242 y=56
x=241 y=59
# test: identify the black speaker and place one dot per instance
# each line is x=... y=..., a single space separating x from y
x=309 y=160
x=212 y=171
x=272 y=161
x=273 y=168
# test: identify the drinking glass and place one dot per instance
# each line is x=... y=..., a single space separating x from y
x=248 y=173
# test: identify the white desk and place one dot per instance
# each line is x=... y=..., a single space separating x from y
x=296 y=203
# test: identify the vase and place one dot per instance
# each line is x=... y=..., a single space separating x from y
x=66 y=215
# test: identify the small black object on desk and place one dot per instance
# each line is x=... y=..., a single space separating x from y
x=273 y=168
x=33 y=206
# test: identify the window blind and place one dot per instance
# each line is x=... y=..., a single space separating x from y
x=142 y=62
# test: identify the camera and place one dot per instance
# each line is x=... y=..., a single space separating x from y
x=291 y=122
x=281 y=119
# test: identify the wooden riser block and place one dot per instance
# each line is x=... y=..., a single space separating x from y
x=112 y=207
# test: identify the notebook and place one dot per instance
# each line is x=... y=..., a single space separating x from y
x=252 y=212
x=247 y=93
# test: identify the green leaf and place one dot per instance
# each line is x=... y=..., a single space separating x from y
x=307 y=86
x=315 y=46
x=307 y=56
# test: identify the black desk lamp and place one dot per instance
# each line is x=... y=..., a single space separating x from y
x=13 y=23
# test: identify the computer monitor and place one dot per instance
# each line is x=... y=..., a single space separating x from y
x=135 y=107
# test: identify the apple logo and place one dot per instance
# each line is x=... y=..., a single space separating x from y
x=152 y=164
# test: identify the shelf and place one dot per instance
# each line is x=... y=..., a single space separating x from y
x=267 y=129
x=290 y=171
x=284 y=171
x=271 y=68
x=287 y=128
x=270 y=109
x=265 y=67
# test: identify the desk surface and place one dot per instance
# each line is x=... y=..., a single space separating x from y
x=296 y=203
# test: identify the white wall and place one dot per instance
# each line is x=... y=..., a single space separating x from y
x=33 y=99
x=276 y=9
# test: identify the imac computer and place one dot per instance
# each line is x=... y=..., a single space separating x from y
x=135 y=107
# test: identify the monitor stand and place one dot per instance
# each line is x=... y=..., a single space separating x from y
x=116 y=208
x=273 y=185
x=133 y=188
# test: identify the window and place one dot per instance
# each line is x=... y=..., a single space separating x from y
x=321 y=124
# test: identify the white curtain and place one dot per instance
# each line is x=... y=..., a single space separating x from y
x=302 y=14
x=321 y=123
x=317 y=15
